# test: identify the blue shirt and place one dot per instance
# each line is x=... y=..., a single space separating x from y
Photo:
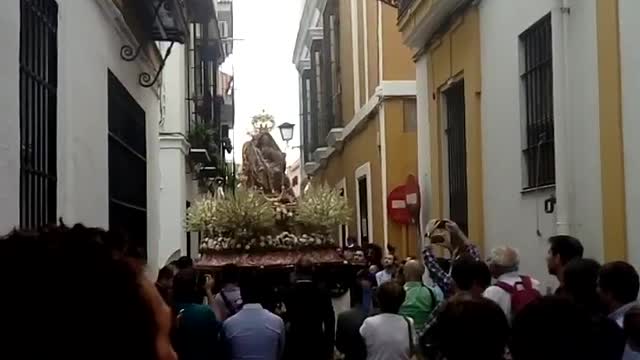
x=254 y=333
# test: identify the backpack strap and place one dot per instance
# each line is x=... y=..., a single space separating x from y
x=412 y=349
x=432 y=296
x=526 y=282
x=506 y=287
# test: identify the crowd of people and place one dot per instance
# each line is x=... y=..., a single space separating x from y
x=77 y=292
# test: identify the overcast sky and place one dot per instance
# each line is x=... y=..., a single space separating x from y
x=265 y=77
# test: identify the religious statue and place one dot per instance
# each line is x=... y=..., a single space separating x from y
x=264 y=164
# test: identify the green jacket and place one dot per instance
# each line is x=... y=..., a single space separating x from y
x=419 y=303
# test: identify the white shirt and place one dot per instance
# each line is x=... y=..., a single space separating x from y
x=503 y=298
x=387 y=337
x=383 y=276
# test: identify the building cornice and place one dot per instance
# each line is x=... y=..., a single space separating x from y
x=423 y=20
x=309 y=23
x=174 y=141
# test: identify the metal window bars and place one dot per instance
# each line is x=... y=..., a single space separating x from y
x=537 y=81
x=127 y=151
x=38 y=61
x=457 y=155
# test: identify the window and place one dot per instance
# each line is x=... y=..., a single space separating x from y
x=537 y=84
x=316 y=109
x=38 y=109
x=224 y=29
x=331 y=67
x=127 y=149
x=294 y=182
x=364 y=209
x=306 y=115
x=342 y=229
x=410 y=118
x=457 y=155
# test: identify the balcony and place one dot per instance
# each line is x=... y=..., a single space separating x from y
x=204 y=142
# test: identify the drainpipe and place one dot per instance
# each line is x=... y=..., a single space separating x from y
x=562 y=143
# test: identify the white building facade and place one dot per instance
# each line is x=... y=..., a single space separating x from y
x=550 y=119
x=185 y=176
x=630 y=75
x=86 y=136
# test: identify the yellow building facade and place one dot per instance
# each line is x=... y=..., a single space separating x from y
x=499 y=81
x=370 y=146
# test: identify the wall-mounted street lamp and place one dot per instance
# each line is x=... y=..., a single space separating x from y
x=286 y=131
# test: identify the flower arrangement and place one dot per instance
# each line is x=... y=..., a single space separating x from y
x=322 y=209
x=244 y=214
x=202 y=215
x=283 y=241
x=250 y=221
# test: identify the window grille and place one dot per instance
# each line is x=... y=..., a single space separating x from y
x=457 y=155
x=127 y=166
x=38 y=112
x=537 y=82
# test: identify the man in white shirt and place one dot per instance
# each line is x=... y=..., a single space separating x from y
x=389 y=336
x=504 y=264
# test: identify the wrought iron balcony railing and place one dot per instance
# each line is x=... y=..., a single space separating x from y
x=403 y=6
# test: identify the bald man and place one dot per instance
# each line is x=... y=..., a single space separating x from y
x=421 y=300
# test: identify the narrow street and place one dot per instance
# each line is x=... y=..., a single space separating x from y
x=321 y=179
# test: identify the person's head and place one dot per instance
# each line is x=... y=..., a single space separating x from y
x=551 y=328
x=390 y=297
x=185 y=287
x=580 y=281
x=388 y=261
x=252 y=289
x=618 y=284
x=304 y=268
x=479 y=323
x=184 y=262
x=632 y=327
x=373 y=269
x=105 y=307
x=165 y=276
x=471 y=276
x=374 y=254
x=562 y=249
x=358 y=256
x=413 y=271
x=229 y=274
x=503 y=260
